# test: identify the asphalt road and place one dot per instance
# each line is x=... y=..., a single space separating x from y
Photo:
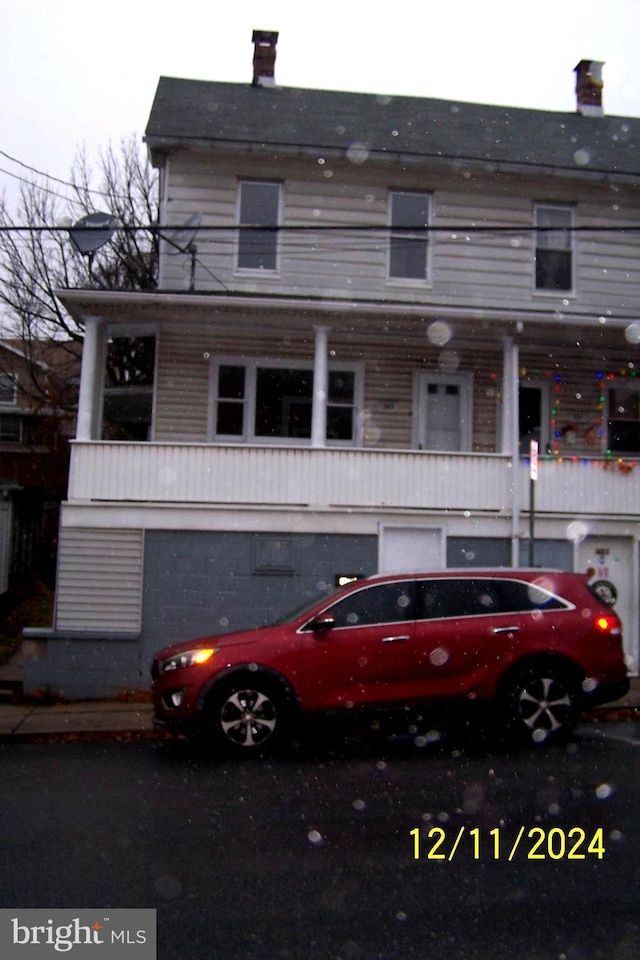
x=313 y=857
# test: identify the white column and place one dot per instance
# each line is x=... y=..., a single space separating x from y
x=511 y=436
x=320 y=387
x=90 y=380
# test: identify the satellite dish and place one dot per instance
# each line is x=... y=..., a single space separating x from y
x=92 y=232
x=181 y=240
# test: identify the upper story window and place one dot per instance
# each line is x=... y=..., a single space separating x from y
x=8 y=390
x=554 y=247
x=409 y=215
x=624 y=420
x=263 y=401
x=259 y=212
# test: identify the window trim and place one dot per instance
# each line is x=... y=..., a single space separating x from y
x=554 y=291
x=251 y=366
x=425 y=281
x=257 y=271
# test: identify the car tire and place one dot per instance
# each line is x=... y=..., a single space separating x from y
x=247 y=716
x=540 y=703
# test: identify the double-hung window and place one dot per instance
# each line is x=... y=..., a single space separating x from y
x=258 y=221
x=264 y=401
x=554 y=247
x=409 y=215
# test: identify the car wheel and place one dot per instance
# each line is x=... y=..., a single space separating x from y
x=247 y=717
x=541 y=703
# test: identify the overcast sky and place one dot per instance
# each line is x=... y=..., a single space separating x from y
x=76 y=72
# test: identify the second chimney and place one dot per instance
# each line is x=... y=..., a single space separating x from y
x=264 y=58
x=589 y=86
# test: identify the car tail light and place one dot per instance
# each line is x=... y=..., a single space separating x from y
x=607 y=624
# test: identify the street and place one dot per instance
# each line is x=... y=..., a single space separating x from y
x=374 y=852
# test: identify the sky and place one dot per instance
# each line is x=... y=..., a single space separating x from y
x=79 y=74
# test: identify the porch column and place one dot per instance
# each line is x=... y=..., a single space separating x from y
x=90 y=380
x=320 y=387
x=510 y=441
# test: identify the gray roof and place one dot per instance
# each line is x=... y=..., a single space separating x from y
x=288 y=117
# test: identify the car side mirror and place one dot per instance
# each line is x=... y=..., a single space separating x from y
x=324 y=622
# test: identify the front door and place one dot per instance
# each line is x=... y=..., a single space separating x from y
x=443 y=412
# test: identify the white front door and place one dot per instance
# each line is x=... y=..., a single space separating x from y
x=442 y=418
x=411 y=549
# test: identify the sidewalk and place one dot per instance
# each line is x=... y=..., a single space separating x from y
x=112 y=719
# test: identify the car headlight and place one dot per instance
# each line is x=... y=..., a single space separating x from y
x=188 y=658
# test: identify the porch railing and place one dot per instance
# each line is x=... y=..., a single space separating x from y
x=304 y=477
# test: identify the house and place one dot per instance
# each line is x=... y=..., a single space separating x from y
x=37 y=417
x=368 y=306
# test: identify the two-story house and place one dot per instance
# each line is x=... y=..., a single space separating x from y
x=368 y=305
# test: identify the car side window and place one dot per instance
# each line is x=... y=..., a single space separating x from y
x=520 y=597
x=380 y=603
x=456 y=597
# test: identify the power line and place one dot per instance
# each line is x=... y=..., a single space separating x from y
x=454 y=229
x=49 y=176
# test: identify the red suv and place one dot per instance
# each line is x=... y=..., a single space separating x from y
x=538 y=646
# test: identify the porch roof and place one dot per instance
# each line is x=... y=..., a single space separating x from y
x=539 y=325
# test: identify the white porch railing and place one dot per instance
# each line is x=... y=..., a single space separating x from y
x=288 y=476
x=302 y=477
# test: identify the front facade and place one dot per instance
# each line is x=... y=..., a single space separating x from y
x=368 y=307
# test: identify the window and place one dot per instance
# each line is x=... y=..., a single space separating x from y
x=8 y=389
x=554 y=247
x=261 y=400
x=383 y=603
x=259 y=212
x=409 y=215
x=10 y=429
x=624 y=420
x=127 y=412
x=470 y=597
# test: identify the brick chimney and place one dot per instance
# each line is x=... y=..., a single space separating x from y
x=264 y=58
x=589 y=86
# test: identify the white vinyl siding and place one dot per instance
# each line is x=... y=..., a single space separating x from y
x=346 y=257
x=99 y=587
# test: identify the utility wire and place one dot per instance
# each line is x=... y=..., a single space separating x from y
x=49 y=176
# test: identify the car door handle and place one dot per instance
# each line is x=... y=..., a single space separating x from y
x=505 y=629
x=398 y=639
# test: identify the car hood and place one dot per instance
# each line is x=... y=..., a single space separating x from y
x=221 y=641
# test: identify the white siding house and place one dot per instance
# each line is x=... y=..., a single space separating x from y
x=368 y=306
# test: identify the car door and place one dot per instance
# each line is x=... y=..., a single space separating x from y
x=456 y=623
x=366 y=654
x=470 y=628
